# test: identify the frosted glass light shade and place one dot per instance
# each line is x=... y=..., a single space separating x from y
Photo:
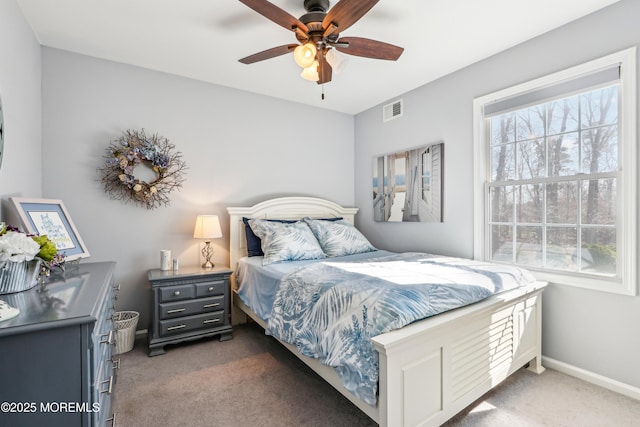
x=305 y=54
x=207 y=227
x=336 y=60
x=311 y=73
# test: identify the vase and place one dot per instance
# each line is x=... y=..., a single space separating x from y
x=18 y=276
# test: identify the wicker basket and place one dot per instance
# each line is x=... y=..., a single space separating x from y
x=18 y=276
x=126 y=322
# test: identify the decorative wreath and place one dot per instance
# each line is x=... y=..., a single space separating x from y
x=132 y=149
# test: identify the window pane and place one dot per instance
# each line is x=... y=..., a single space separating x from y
x=502 y=243
x=529 y=203
x=502 y=204
x=599 y=250
x=530 y=123
x=599 y=107
x=564 y=154
x=599 y=201
x=600 y=149
x=562 y=202
x=502 y=129
x=563 y=115
x=562 y=248
x=502 y=162
x=529 y=245
x=530 y=160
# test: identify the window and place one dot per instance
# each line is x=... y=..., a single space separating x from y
x=555 y=175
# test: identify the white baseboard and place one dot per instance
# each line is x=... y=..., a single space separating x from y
x=593 y=378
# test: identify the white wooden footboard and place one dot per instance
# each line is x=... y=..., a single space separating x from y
x=431 y=370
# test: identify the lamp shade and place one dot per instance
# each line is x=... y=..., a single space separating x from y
x=207 y=227
x=305 y=54
x=336 y=60
x=311 y=73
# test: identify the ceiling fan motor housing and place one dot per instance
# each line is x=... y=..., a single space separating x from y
x=316 y=12
x=316 y=5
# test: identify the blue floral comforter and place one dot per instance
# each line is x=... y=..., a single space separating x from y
x=330 y=310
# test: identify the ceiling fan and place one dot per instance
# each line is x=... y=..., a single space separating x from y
x=318 y=35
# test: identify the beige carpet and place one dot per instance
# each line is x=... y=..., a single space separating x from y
x=253 y=381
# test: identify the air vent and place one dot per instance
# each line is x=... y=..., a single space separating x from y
x=392 y=111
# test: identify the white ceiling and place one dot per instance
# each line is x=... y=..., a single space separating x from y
x=203 y=40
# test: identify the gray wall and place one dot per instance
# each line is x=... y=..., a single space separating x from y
x=20 y=93
x=240 y=149
x=591 y=330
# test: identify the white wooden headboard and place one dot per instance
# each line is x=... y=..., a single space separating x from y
x=280 y=208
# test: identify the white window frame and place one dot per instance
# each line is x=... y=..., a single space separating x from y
x=625 y=283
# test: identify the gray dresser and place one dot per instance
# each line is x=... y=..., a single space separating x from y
x=56 y=365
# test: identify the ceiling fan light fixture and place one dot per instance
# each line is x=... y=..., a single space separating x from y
x=305 y=54
x=311 y=73
x=336 y=60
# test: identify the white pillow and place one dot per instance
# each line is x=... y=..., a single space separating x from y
x=338 y=238
x=286 y=241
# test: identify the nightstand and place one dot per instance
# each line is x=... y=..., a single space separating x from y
x=188 y=304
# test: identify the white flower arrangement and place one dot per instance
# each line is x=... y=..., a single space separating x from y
x=17 y=247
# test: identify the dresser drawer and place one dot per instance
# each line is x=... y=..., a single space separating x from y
x=217 y=287
x=192 y=323
x=187 y=308
x=177 y=293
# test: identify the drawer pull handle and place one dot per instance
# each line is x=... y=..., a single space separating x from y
x=109 y=338
x=215 y=304
x=177 y=310
x=115 y=362
x=112 y=419
x=211 y=320
x=110 y=388
x=116 y=287
x=176 y=293
x=211 y=288
x=173 y=328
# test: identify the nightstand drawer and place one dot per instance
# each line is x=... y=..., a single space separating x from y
x=187 y=308
x=192 y=323
x=217 y=287
x=176 y=293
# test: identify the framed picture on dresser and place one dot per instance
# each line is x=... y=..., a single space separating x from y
x=50 y=217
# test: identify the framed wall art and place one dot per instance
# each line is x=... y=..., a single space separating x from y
x=50 y=217
x=408 y=185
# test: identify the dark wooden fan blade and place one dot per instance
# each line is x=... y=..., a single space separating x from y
x=369 y=48
x=274 y=13
x=268 y=54
x=347 y=12
x=324 y=71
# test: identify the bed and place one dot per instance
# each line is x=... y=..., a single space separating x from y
x=432 y=368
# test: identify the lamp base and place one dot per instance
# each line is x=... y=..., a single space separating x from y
x=207 y=253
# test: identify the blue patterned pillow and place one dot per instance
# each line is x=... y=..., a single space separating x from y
x=254 y=245
x=338 y=238
x=286 y=241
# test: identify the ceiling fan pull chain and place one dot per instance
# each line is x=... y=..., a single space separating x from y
x=323 y=92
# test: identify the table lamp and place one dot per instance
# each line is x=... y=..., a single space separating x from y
x=207 y=228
